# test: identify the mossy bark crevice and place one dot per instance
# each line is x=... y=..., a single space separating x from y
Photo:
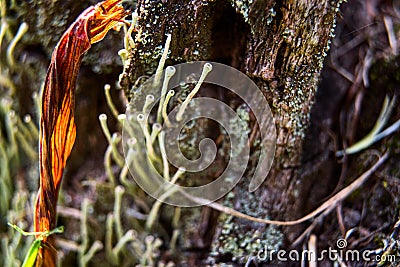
x=288 y=43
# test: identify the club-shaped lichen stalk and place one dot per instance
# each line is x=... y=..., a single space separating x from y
x=161 y=63
x=155 y=130
x=169 y=190
x=169 y=72
x=23 y=28
x=170 y=94
x=206 y=69
x=126 y=124
x=161 y=141
x=142 y=119
x=110 y=103
x=129 y=42
x=117 y=157
x=147 y=103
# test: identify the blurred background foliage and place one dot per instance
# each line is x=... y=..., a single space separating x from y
x=96 y=222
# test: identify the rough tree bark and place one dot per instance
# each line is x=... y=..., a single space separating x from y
x=281 y=45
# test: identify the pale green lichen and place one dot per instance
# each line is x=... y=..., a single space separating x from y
x=18 y=140
x=239 y=128
x=206 y=69
x=244 y=241
x=298 y=85
x=190 y=134
x=18 y=146
x=149 y=59
x=86 y=253
x=243 y=7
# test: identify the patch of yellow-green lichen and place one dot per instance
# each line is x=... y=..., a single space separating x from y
x=150 y=58
x=239 y=128
x=18 y=143
x=241 y=239
x=293 y=95
x=243 y=7
x=192 y=131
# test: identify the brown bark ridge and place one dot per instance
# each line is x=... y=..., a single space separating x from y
x=281 y=45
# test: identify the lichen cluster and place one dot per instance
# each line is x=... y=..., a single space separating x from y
x=146 y=128
x=244 y=241
x=18 y=143
x=112 y=243
x=243 y=7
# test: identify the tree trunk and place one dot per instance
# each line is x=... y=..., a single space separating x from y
x=281 y=46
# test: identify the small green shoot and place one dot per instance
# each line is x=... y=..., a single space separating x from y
x=376 y=133
x=30 y=257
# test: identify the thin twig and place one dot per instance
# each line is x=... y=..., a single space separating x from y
x=326 y=207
